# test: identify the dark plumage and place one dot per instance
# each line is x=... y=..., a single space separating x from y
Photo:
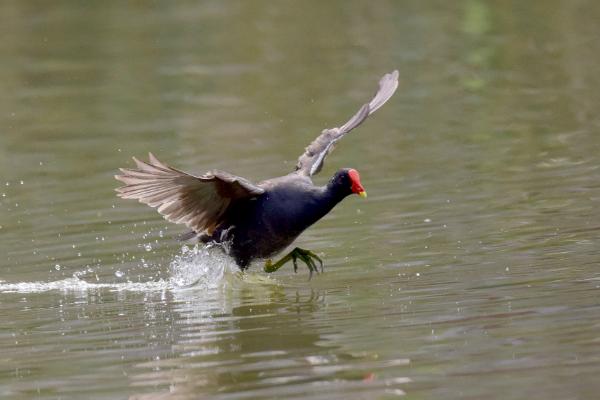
x=256 y=221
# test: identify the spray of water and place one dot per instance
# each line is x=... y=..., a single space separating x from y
x=199 y=265
x=193 y=267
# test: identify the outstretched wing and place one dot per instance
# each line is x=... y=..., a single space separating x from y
x=199 y=202
x=311 y=161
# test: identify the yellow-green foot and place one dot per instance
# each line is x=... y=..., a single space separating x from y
x=305 y=255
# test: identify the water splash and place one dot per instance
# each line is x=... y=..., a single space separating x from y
x=76 y=284
x=200 y=265
x=205 y=267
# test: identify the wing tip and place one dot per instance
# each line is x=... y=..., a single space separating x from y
x=392 y=76
x=153 y=160
x=120 y=178
x=119 y=191
x=388 y=84
x=138 y=163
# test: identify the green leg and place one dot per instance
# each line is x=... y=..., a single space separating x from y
x=307 y=256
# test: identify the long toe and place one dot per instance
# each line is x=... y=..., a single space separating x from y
x=318 y=259
x=308 y=263
x=309 y=255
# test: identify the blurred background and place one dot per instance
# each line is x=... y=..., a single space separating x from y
x=471 y=271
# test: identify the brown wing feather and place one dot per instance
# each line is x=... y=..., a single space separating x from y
x=311 y=161
x=199 y=202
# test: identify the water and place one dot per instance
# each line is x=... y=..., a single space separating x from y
x=470 y=272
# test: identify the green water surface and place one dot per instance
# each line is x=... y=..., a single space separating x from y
x=471 y=271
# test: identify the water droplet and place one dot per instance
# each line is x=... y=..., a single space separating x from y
x=427 y=220
x=21 y=182
x=148 y=247
x=57 y=267
x=119 y=274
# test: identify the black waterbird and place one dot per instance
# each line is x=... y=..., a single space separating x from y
x=256 y=221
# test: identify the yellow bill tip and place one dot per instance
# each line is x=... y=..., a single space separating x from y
x=362 y=194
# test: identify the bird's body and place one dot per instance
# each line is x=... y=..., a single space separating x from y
x=253 y=221
x=261 y=227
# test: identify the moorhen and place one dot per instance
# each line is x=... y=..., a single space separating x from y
x=253 y=221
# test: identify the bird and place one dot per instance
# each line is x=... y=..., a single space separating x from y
x=254 y=221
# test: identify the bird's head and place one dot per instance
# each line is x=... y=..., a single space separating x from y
x=347 y=181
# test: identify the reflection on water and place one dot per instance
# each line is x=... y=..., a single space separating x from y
x=255 y=343
x=235 y=334
x=471 y=271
